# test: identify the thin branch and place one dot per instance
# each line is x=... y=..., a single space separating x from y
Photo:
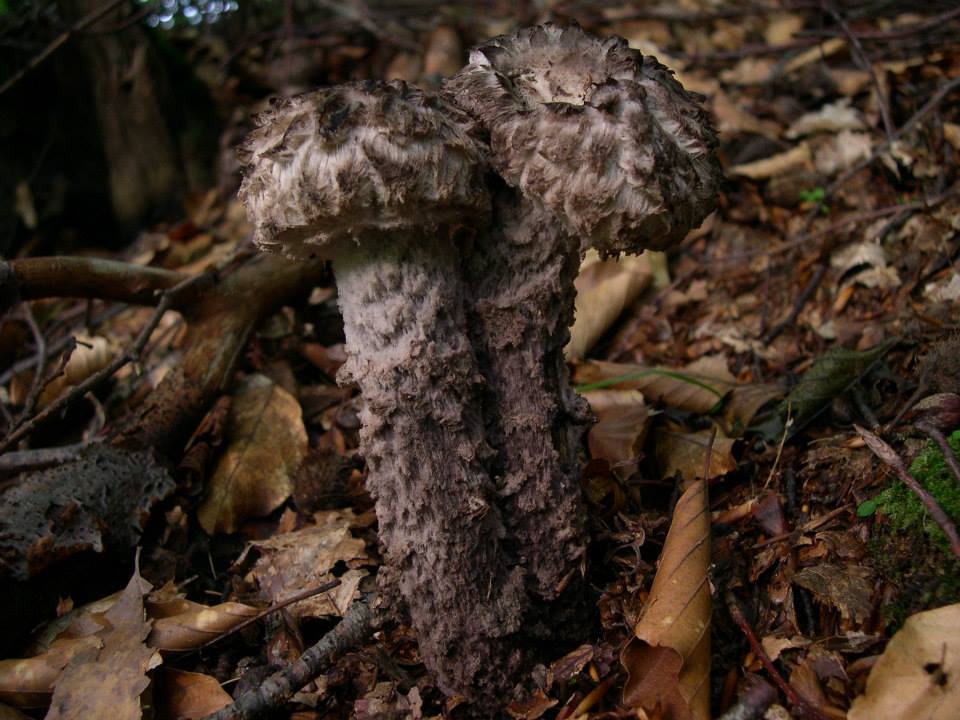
x=87 y=277
x=356 y=626
x=890 y=457
x=801 y=301
x=941 y=440
x=58 y=41
x=40 y=352
x=132 y=354
x=861 y=57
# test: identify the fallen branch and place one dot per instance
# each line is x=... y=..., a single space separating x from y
x=890 y=457
x=935 y=434
x=132 y=354
x=356 y=626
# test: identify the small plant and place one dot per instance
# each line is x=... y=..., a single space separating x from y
x=902 y=508
x=816 y=196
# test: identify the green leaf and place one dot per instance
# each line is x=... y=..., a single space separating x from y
x=867 y=507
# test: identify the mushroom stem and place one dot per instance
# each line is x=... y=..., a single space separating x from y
x=522 y=307
x=424 y=443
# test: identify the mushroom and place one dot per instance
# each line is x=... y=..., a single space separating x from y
x=597 y=146
x=378 y=177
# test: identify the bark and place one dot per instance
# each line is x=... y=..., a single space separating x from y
x=423 y=439
x=521 y=309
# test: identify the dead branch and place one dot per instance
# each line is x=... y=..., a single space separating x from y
x=132 y=354
x=940 y=439
x=356 y=626
x=890 y=457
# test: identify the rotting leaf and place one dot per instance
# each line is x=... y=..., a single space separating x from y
x=605 y=288
x=296 y=561
x=621 y=428
x=531 y=708
x=267 y=442
x=107 y=682
x=829 y=376
x=917 y=675
x=668 y=662
x=848 y=588
x=685 y=454
x=187 y=695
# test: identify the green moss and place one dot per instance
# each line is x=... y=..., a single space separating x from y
x=902 y=508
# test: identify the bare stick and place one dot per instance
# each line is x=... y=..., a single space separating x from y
x=890 y=457
x=132 y=354
x=802 y=299
x=356 y=625
x=940 y=439
x=86 y=277
x=58 y=41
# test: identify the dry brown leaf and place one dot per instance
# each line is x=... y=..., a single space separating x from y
x=106 y=682
x=531 y=708
x=195 y=625
x=668 y=662
x=605 y=288
x=621 y=428
x=781 y=28
x=293 y=562
x=28 y=682
x=916 y=677
x=186 y=695
x=677 y=388
x=267 y=442
x=815 y=54
x=779 y=164
x=685 y=454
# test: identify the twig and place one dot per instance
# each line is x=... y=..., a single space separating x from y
x=19 y=461
x=356 y=626
x=865 y=65
x=276 y=607
x=736 y=612
x=40 y=345
x=802 y=299
x=890 y=457
x=940 y=439
x=132 y=354
x=58 y=41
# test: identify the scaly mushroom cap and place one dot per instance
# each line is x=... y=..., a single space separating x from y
x=603 y=136
x=360 y=157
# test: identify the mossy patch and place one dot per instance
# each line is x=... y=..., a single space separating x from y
x=904 y=511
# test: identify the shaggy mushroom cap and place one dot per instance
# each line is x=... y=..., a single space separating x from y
x=355 y=159
x=606 y=138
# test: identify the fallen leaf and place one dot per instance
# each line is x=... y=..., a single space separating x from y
x=28 y=682
x=605 y=288
x=916 y=677
x=841 y=152
x=531 y=708
x=292 y=562
x=668 y=662
x=107 y=681
x=186 y=695
x=797 y=157
x=569 y=665
x=676 y=388
x=195 y=625
x=848 y=588
x=829 y=376
x=621 y=428
x=267 y=442
x=830 y=118
x=685 y=454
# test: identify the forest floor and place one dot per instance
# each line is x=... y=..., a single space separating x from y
x=797 y=354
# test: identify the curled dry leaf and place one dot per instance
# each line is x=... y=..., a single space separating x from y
x=668 y=662
x=267 y=442
x=186 y=695
x=621 y=428
x=195 y=625
x=28 y=682
x=916 y=677
x=797 y=157
x=605 y=288
x=296 y=561
x=107 y=681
